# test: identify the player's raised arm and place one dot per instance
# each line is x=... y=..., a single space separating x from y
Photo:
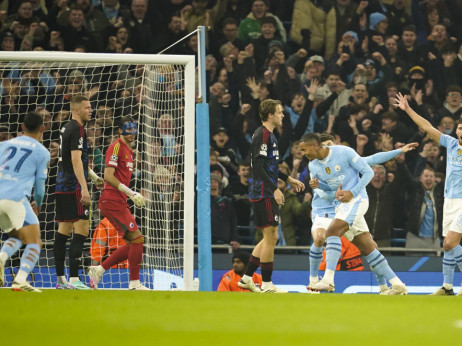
x=388 y=155
x=424 y=124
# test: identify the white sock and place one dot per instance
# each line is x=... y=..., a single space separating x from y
x=266 y=283
x=329 y=276
x=134 y=283
x=62 y=280
x=20 y=277
x=448 y=286
x=396 y=281
x=74 y=279
x=246 y=278
x=3 y=257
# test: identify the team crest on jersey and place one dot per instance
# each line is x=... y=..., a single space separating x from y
x=132 y=224
x=86 y=212
x=459 y=152
x=264 y=149
x=337 y=168
x=328 y=171
x=276 y=218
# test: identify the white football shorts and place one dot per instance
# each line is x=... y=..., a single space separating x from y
x=452 y=215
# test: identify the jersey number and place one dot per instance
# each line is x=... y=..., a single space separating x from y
x=11 y=154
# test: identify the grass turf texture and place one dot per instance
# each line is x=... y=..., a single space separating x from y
x=215 y=318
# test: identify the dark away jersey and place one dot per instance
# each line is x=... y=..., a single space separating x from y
x=72 y=137
x=264 y=158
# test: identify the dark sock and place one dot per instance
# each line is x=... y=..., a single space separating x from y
x=59 y=251
x=120 y=255
x=75 y=253
x=266 y=271
x=135 y=257
x=254 y=263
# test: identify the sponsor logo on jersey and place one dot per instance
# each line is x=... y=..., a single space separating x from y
x=328 y=171
x=80 y=143
x=276 y=218
x=264 y=150
x=86 y=212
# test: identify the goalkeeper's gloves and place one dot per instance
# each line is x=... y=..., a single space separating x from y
x=94 y=178
x=136 y=197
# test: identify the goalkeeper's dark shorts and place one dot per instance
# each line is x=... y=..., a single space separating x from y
x=266 y=212
x=119 y=216
x=69 y=208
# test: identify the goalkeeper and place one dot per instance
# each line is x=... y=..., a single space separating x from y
x=113 y=205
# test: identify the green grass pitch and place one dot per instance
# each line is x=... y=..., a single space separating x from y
x=216 y=318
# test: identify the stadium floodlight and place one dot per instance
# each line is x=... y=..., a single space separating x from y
x=159 y=92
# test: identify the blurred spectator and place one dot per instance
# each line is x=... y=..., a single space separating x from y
x=430 y=156
x=392 y=126
x=238 y=190
x=75 y=34
x=24 y=15
x=269 y=37
x=114 y=11
x=249 y=28
x=105 y=241
x=175 y=30
x=452 y=106
x=142 y=29
x=223 y=216
x=226 y=155
x=397 y=17
x=408 y=48
x=229 y=280
x=425 y=217
x=200 y=15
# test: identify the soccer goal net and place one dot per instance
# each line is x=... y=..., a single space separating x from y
x=158 y=91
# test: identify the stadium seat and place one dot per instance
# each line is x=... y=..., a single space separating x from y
x=398 y=237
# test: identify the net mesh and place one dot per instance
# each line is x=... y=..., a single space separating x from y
x=154 y=96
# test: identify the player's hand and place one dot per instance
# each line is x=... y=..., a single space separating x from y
x=138 y=199
x=85 y=199
x=35 y=208
x=343 y=196
x=99 y=183
x=314 y=183
x=401 y=102
x=409 y=147
x=279 y=197
x=296 y=184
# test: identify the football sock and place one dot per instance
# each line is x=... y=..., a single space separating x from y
x=120 y=255
x=457 y=253
x=75 y=253
x=266 y=271
x=381 y=267
x=254 y=263
x=29 y=258
x=9 y=248
x=381 y=280
x=449 y=265
x=59 y=250
x=333 y=252
x=315 y=260
x=135 y=257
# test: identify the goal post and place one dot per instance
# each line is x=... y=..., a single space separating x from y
x=159 y=91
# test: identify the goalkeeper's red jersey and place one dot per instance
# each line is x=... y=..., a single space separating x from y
x=120 y=157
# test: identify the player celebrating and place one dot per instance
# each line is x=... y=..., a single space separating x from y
x=265 y=196
x=23 y=164
x=333 y=167
x=113 y=205
x=71 y=195
x=323 y=212
x=452 y=210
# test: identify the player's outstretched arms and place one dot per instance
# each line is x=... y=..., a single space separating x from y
x=424 y=124
x=136 y=197
x=409 y=147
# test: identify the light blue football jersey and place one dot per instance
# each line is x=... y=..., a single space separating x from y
x=453 y=183
x=22 y=161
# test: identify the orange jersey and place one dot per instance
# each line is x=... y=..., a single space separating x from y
x=120 y=157
x=229 y=282
x=105 y=241
x=350 y=258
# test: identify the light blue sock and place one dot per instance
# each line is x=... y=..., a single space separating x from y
x=380 y=265
x=315 y=260
x=457 y=253
x=381 y=280
x=11 y=246
x=333 y=252
x=449 y=265
x=29 y=258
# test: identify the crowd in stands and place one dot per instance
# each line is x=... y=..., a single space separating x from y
x=335 y=64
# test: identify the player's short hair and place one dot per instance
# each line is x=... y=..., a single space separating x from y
x=326 y=137
x=268 y=107
x=33 y=121
x=311 y=137
x=77 y=99
x=126 y=119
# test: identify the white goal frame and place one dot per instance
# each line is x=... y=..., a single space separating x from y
x=189 y=122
